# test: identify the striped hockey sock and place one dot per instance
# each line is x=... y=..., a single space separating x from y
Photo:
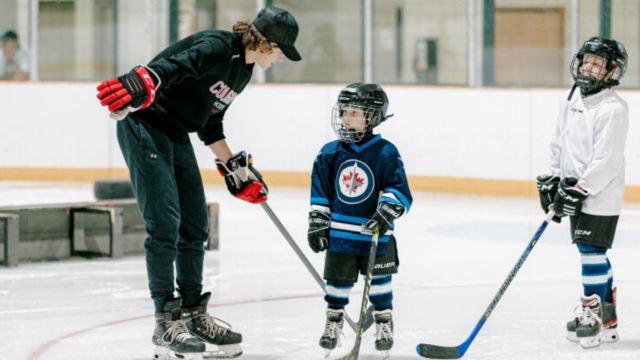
x=381 y=294
x=337 y=296
x=597 y=277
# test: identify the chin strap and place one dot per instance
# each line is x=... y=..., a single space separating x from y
x=573 y=88
x=583 y=92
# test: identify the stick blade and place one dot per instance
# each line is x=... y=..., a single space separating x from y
x=439 y=352
x=349 y=356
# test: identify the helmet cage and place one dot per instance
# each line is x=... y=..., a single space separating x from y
x=372 y=116
x=614 y=54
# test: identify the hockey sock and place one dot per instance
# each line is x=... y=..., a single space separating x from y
x=609 y=297
x=597 y=277
x=337 y=296
x=380 y=294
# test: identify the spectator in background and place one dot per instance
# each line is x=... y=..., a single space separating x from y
x=14 y=61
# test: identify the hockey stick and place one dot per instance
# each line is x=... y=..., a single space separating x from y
x=456 y=352
x=353 y=354
x=307 y=264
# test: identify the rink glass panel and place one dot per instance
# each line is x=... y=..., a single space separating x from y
x=439 y=42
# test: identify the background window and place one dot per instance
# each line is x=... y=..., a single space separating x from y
x=8 y=11
x=530 y=46
x=625 y=27
x=420 y=42
x=76 y=39
x=330 y=42
x=202 y=15
x=450 y=42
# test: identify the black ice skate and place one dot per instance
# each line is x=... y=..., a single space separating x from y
x=384 y=331
x=332 y=331
x=590 y=330
x=171 y=337
x=212 y=330
x=608 y=332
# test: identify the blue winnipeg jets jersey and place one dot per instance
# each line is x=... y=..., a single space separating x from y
x=348 y=181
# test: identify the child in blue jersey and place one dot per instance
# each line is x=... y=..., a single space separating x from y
x=358 y=183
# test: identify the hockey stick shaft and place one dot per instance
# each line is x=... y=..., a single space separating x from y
x=353 y=354
x=456 y=352
x=300 y=254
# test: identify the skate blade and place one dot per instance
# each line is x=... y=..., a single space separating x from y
x=327 y=354
x=223 y=352
x=386 y=354
x=610 y=336
x=571 y=336
x=327 y=351
x=162 y=353
x=605 y=336
x=590 y=342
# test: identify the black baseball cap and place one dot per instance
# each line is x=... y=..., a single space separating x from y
x=9 y=35
x=280 y=27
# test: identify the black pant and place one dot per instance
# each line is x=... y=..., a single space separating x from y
x=344 y=268
x=169 y=191
x=595 y=230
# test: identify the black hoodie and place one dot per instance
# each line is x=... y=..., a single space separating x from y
x=200 y=76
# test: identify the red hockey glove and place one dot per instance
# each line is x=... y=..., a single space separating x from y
x=135 y=90
x=242 y=179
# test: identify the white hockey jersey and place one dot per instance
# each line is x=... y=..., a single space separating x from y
x=589 y=145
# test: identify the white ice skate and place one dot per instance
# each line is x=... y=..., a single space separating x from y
x=596 y=322
x=608 y=324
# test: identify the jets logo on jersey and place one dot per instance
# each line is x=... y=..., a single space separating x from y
x=354 y=182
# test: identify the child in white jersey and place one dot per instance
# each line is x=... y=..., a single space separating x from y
x=587 y=180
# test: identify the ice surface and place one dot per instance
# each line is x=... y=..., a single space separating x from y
x=455 y=251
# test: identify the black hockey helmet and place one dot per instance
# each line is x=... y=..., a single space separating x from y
x=373 y=102
x=614 y=53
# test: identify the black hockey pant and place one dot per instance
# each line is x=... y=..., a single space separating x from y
x=170 y=194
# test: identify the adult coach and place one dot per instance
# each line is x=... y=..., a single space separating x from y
x=187 y=88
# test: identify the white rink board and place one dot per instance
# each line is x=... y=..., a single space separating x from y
x=488 y=133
